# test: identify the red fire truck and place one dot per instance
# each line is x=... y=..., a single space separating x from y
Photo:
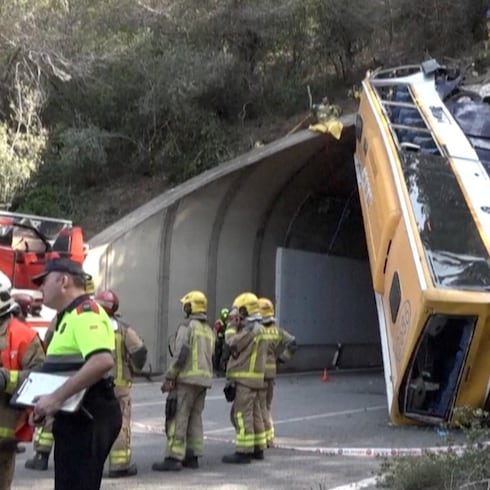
x=26 y=243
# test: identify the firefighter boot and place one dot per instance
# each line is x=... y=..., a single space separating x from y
x=39 y=462
x=190 y=461
x=168 y=464
x=131 y=470
x=237 y=458
x=258 y=453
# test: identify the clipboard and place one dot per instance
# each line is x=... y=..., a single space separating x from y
x=38 y=384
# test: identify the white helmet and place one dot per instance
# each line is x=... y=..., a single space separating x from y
x=6 y=301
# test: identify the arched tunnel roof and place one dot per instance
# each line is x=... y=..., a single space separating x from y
x=219 y=231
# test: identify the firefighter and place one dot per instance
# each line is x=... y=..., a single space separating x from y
x=186 y=382
x=245 y=372
x=220 y=328
x=43 y=435
x=326 y=111
x=20 y=351
x=90 y=287
x=20 y=310
x=131 y=354
x=281 y=346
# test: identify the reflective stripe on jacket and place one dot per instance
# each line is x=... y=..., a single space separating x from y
x=122 y=376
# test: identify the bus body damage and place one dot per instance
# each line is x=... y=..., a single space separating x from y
x=423 y=172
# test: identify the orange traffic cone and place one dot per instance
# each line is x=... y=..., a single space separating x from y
x=325 y=376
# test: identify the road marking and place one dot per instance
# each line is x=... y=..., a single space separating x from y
x=308 y=417
x=366 y=482
x=161 y=401
x=160 y=428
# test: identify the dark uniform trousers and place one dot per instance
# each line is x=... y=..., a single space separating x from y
x=83 y=439
x=7 y=466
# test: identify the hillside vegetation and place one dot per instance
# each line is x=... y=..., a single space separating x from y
x=105 y=103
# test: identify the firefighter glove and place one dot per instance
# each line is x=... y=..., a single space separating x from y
x=167 y=386
x=230 y=390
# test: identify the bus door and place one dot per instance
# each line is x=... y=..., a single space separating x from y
x=436 y=368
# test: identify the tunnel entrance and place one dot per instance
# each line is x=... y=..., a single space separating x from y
x=221 y=232
x=322 y=278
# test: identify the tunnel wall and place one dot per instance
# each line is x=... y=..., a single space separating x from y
x=217 y=232
x=328 y=304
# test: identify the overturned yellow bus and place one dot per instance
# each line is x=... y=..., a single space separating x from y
x=423 y=170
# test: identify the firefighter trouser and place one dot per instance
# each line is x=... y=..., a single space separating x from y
x=120 y=455
x=43 y=437
x=83 y=439
x=7 y=467
x=247 y=420
x=184 y=432
x=267 y=411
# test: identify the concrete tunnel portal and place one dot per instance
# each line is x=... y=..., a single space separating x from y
x=283 y=221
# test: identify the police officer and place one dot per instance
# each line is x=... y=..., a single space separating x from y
x=281 y=346
x=81 y=347
x=43 y=437
x=131 y=354
x=20 y=351
x=187 y=381
x=246 y=367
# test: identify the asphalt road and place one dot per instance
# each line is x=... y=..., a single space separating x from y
x=329 y=434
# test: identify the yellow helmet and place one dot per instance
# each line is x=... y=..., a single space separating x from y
x=90 y=286
x=247 y=304
x=194 y=302
x=266 y=307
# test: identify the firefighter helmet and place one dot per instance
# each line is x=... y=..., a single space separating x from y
x=194 y=302
x=247 y=304
x=90 y=286
x=6 y=301
x=108 y=300
x=223 y=314
x=266 y=307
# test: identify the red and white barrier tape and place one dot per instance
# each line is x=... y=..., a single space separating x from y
x=371 y=452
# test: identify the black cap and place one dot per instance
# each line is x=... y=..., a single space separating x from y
x=61 y=265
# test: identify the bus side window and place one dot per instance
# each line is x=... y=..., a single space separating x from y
x=395 y=297
x=391 y=222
